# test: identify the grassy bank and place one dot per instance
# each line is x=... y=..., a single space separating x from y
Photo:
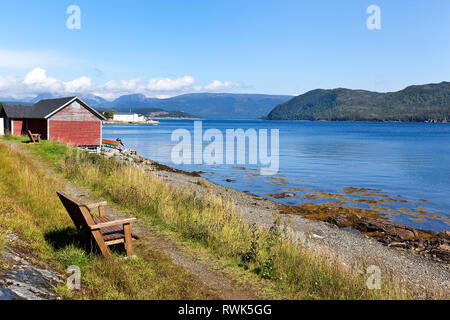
x=29 y=208
x=213 y=223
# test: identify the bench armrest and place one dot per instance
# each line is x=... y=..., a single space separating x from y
x=112 y=223
x=96 y=205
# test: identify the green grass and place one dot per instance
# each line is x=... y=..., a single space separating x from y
x=14 y=138
x=48 y=150
x=52 y=152
x=29 y=208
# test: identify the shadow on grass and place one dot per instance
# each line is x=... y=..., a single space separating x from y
x=67 y=237
x=71 y=237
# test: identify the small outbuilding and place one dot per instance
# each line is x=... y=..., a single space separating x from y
x=69 y=120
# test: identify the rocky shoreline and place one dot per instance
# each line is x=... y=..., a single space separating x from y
x=421 y=257
x=424 y=242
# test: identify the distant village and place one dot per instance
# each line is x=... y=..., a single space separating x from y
x=124 y=117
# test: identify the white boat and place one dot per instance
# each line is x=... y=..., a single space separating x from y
x=153 y=122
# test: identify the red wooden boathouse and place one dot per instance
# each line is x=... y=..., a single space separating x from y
x=69 y=120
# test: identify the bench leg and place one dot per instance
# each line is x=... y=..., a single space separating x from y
x=128 y=240
x=101 y=243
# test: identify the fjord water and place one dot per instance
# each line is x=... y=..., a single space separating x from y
x=405 y=163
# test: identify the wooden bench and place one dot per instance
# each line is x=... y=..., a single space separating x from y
x=105 y=231
x=34 y=137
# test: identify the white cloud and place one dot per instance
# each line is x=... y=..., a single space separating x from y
x=35 y=76
x=79 y=85
x=167 y=84
x=37 y=81
x=217 y=85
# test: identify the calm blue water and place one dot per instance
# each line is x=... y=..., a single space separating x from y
x=407 y=163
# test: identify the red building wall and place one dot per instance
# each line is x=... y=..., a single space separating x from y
x=75 y=125
x=17 y=127
x=74 y=112
x=78 y=133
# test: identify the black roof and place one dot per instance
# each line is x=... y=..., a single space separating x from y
x=41 y=109
x=15 y=111
x=45 y=107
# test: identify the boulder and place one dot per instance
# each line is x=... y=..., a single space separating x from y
x=289 y=194
x=402 y=232
x=445 y=235
x=366 y=224
x=442 y=252
x=395 y=232
x=396 y=244
x=339 y=220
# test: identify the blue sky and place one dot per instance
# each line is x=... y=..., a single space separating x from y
x=164 y=48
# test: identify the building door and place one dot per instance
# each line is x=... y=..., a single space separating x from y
x=2 y=128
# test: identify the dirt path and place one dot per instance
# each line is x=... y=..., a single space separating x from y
x=217 y=282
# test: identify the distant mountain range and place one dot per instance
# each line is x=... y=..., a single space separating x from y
x=203 y=105
x=157 y=113
x=420 y=103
